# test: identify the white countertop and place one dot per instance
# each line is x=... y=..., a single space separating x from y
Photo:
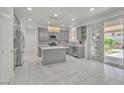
x=53 y=47
x=43 y=45
x=77 y=45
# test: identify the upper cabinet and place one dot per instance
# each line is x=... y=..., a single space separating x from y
x=63 y=35
x=66 y=35
x=79 y=33
x=43 y=34
x=82 y=33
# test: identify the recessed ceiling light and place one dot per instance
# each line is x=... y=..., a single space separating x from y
x=29 y=8
x=55 y=14
x=92 y=9
x=48 y=22
x=62 y=25
x=29 y=19
x=73 y=19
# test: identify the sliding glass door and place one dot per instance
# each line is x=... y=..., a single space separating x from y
x=113 y=42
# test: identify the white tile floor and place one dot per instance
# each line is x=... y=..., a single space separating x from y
x=74 y=71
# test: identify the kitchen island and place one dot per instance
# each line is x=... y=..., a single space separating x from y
x=53 y=54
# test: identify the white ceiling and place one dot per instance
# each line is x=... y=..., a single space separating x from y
x=41 y=15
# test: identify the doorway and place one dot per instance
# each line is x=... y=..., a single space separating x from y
x=113 y=42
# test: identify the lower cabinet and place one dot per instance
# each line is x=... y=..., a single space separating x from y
x=76 y=51
x=70 y=50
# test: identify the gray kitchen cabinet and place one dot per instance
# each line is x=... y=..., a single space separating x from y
x=43 y=34
x=79 y=33
x=76 y=51
x=40 y=35
x=66 y=35
x=58 y=36
x=82 y=33
x=63 y=35
x=46 y=35
x=70 y=50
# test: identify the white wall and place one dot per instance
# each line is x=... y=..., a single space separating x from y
x=31 y=40
x=30 y=35
x=6 y=44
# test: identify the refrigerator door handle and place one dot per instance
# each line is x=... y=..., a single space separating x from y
x=123 y=47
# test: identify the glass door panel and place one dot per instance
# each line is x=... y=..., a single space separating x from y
x=113 y=42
